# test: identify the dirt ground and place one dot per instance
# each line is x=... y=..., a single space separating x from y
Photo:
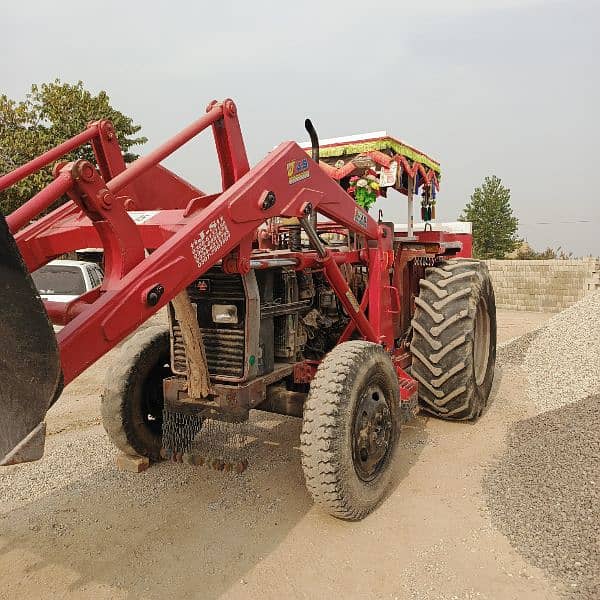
x=72 y=526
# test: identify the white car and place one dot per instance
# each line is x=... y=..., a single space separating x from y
x=65 y=280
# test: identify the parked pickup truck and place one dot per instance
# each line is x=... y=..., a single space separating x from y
x=65 y=280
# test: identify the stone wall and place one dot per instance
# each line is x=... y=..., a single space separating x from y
x=542 y=285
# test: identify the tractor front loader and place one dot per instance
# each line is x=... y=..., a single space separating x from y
x=283 y=294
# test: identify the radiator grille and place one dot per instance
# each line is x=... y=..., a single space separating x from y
x=224 y=351
x=225 y=348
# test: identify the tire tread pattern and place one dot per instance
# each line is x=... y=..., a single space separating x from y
x=442 y=342
x=326 y=461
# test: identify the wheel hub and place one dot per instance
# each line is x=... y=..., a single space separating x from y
x=372 y=433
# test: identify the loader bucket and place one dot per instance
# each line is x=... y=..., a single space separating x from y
x=30 y=371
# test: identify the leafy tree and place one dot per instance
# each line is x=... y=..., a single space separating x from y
x=494 y=225
x=526 y=252
x=50 y=114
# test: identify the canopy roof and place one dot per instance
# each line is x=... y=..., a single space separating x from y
x=376 y=141
x=378 y=149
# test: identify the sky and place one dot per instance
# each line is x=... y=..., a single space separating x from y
x=504 y=87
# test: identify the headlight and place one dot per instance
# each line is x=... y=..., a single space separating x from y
x=224 y=313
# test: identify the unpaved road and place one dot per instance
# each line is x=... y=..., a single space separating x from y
x=72 y=526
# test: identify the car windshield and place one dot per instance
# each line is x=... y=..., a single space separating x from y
x=59 y=280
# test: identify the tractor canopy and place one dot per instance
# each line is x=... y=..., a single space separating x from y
x=393 y=161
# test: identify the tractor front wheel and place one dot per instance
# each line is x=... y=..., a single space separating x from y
x=132 y=401
x=454 y=339
x=350 y=428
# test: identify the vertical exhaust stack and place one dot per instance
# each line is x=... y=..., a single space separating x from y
x=30 y=371
x=315 y=155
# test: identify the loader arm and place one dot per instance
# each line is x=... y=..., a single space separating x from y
x=187 y=233
x=194 y=243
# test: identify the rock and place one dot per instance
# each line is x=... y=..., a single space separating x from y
x=133 y=464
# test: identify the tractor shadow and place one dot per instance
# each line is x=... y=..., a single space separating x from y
x=173 y=531
x=414 y=437
x=491 y=408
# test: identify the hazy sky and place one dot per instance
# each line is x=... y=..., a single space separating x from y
x=501 y=87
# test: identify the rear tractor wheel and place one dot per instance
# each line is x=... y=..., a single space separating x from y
x=132 y=401
x=454 y=339
x=350 y=428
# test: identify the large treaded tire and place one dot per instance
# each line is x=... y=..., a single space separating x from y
x=329 y=426
x=454 y=339
x=132 y=398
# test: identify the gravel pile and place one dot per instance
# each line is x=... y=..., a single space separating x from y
x=512 y=352
x=563 y=361
x=544 y=494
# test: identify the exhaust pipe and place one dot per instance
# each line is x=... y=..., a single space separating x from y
x=30 y=372
x=315 y=155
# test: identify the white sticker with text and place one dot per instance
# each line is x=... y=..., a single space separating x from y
x=209 y=240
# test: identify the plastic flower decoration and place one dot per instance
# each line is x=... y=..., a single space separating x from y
x=365 y=190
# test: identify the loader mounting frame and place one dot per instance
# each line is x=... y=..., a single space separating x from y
x=160 y=234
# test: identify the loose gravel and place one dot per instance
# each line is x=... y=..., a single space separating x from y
x=70 y=466
x=512 y=352
x=563 y=361
x=544 y=494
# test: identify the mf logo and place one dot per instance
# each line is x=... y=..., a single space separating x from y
x=297 y=170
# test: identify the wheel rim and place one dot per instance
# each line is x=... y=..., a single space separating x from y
x=481 y=342
x=372 y=433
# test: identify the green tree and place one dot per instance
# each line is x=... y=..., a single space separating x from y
x=494 y=225
x=50 y=114
x=526 y=252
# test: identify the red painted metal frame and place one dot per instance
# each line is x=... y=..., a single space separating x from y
x=188 y=232
x=428 y=175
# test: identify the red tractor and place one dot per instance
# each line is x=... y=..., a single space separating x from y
x=283 y=293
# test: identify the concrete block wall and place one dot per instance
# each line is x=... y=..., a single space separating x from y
x=542 y=285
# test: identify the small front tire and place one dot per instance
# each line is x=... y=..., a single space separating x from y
x=350 y=429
